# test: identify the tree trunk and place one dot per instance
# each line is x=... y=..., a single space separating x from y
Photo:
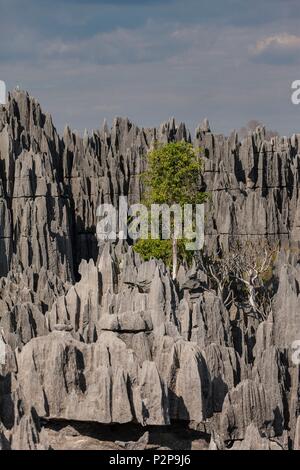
x=174 y=251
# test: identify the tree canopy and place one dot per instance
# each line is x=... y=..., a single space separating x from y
x=173 y=177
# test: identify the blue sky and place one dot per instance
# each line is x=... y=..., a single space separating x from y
x=228 y=60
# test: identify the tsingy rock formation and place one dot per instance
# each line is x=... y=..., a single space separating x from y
x=95 y=337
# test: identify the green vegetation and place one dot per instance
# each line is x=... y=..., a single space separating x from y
x=173 y=177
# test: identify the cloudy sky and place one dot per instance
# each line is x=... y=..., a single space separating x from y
x=228 y=60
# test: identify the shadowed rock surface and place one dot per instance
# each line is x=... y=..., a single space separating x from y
x=101 y=346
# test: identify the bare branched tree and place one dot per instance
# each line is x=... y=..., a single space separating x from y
x=251 y=265
x=247 y=266
x=217 y=271
x=252 y=125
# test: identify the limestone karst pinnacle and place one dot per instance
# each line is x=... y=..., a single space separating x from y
x=95 y=338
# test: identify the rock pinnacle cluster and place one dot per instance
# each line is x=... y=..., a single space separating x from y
x=103 y=350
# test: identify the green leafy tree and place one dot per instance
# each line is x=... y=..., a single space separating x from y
x=173 y=177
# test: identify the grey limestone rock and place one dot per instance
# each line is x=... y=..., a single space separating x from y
x=94 y=334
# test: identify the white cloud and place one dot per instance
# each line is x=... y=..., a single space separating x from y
x=151 y=43
x=278 y=49
x=281 y=40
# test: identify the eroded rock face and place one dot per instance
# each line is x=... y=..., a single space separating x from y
x=286 y=306
x=104 y=381
x=254 y=441
x=245 y=404
x=92 y=334
x=51 y=185
x=226 y=371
